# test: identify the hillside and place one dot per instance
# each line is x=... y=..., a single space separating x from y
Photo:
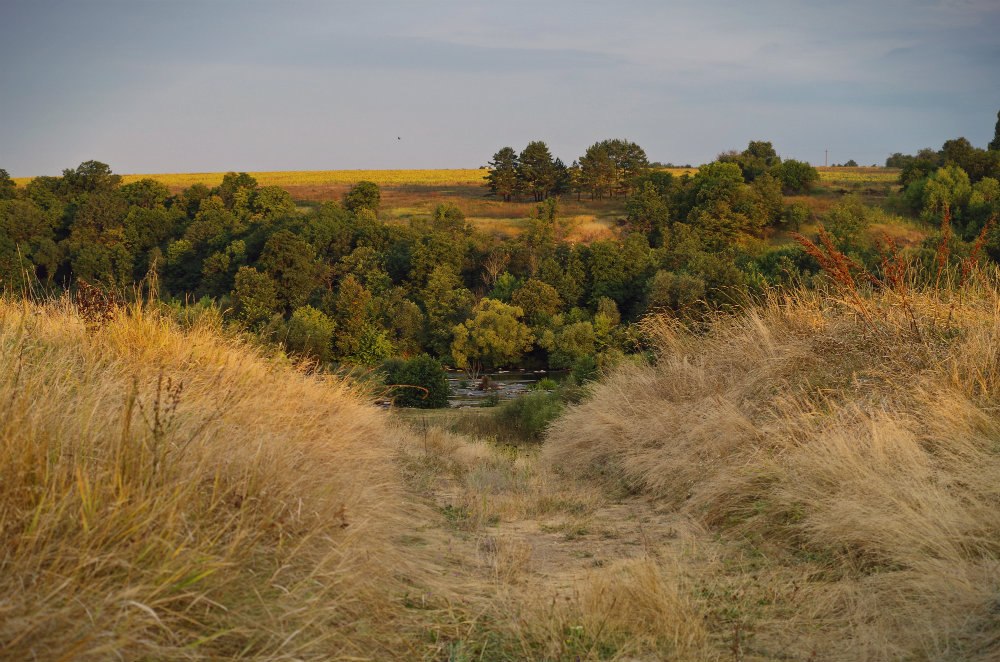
x=178 y=494
x=843 y=455
x=813 y=478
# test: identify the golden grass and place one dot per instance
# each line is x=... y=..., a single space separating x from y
x=173 y=494
x=851 y=468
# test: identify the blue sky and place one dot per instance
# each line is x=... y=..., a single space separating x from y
x=174 y=86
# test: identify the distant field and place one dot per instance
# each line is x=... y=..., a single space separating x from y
x=859 y=175
x=435 y=177
x=388 y=178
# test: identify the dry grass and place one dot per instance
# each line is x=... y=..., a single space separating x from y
x=518 y=537
x=851 y=465
x=179 y=495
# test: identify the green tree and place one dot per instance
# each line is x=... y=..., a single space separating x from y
x=848 y=223
x=647 y=212
x=536 y=170
x=494 y=337
x=995 y=143
x=630 y=163
x=598 y=171
x=502 y=178
x=146 y=193
x=8 y=189
x=795 y=176
x=363 y=195
x=233 y=185
x=419 y=382
x=539 y=301
x=570 y=343
x=446 y=303
x=89 y=177
x=291 y=262
x=269 y=203
x=351 y=312
x=254 y=297
x=310 y=333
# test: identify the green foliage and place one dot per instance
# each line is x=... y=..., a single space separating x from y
x=795 y=215
x=796 y=176
x=255 y=297
x=310 y=332
x=848 y=222
x=232 y=185
x=502 y=178
x=536 y=170
x=570 y=343
x=291 y=262
x=995 y=143
x=539 y=301
x=648 y=212
x=446 y=303
x=529 y=415
x=363 y=195
x=8 y=189
x=494 y=337
x=679 y=292
x=422 y=371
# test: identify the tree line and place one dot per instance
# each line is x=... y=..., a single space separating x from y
x=615 y=168
x=336 y=284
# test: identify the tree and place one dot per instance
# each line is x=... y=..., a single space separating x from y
x=351 y=310
x=268 y=203
x=597 y=171
x=539 y=301
x=537 y=171
x=446 y=303
x=630 y=163
x=494 y=337
x=232 y=184
x=571 y=343
x=146 y=193
x=647 y=212
x=310 y=332
x=502 y=178
x=420 y=382
x=848 y=221
x=363 y=195
x=795 y=176
x=995 y=143
x=7 y=186
x=89 y=177
x=255 y=298
x=291 y=262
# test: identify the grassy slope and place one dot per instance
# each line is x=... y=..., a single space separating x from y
x=850 y=469
x=178 y=495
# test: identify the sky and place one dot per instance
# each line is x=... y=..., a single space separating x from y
x=152 y=86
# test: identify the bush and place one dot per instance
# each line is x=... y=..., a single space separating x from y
x=528 y=416
x=423 y=372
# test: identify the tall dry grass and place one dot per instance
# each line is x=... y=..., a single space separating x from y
x=180 y=495
x=844 y=449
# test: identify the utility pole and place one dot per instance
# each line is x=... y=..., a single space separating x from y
x=826 y=155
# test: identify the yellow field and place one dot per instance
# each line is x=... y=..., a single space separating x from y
x=859 y=175
x=388 y=178
x=428 y=177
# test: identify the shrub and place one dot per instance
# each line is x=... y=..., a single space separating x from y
x=422 y=372
x=529 y=415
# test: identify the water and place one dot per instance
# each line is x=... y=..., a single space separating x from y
x=502 y=385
